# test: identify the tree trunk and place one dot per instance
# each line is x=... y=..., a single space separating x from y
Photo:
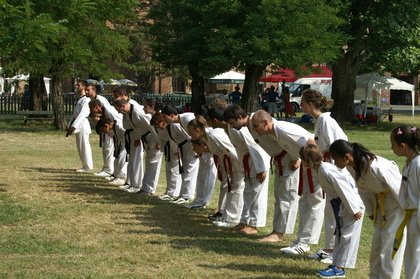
x=344 y=84
x=37 y=91
x=57 y=102
x=197 y=87
x=249 y=92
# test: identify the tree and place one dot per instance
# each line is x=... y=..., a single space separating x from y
x=63 y=39
x=382 y=36
x=213 y=36
x=186 y=33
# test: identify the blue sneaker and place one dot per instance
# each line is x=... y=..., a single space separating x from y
x=331 y=272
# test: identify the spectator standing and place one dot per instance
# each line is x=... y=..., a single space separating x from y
x=235 y=96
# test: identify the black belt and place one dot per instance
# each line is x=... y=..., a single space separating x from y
x=335 y=203
x=181 y=167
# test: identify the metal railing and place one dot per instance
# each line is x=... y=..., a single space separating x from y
x=12 y=104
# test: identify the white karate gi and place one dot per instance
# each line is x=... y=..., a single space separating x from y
x=79 y=120
x=207 y=175
x=410 y=199
x=327 y=131
x=171 y=152
x=152 y=162
x=383 y=176
x=255 y=160
x=339 y=183
x=291 y=137
x=188 y=159
x=286 y=198
x=220 y=145
x=107 y=141
x=136 y=124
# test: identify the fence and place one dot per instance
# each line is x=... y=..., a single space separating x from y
x=12 y=104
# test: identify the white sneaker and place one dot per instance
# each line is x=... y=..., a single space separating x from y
x=224 y=224
x=322 y=256
x=109 y=178
x=166 y=197
x=133 y=190
x=83 y=170
x=180 y=201
x=296 y=249
x=102 y=174
x=124 y=187
x=117 y=182
x=195 y=206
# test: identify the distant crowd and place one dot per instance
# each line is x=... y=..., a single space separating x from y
x=329 y=181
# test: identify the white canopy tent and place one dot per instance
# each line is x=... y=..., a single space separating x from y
x=228 y=77
x=370 y=87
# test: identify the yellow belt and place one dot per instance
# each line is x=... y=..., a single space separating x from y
x=400 y=232
x=380 y=205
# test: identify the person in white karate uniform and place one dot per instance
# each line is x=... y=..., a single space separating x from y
x=327 y=131
x=80 y=126
x=405 y=142
x=286 y=179
x=348 y=209
x=115 y=130
x=379 y=182
x=153 y=153
x=171 y=152
x=188 y=158
x=107 y=143
x=136 y=124
x=291 y=137
x=256 y=164
x=207 y=175
x=229 y=165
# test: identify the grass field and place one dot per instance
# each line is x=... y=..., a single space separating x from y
x=56 y=223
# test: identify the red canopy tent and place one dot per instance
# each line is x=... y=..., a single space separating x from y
x=284 y=74
x=289 y=75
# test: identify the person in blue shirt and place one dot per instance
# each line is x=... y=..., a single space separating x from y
x=235 y=96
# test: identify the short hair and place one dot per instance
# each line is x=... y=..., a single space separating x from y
x=82 y=82
x=216 y=113
x=168 y=110
x=95 y=103
x=120 y=102
x=119 y=92
x=234 y=112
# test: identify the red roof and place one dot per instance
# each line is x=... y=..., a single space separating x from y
x=289 y=75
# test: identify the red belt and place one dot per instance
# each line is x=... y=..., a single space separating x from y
x=228 y=168
x=277 y=159
x=310 y=181
x=247 y=168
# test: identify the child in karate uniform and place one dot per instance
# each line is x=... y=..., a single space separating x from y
x=406 y=142
x=347 y=206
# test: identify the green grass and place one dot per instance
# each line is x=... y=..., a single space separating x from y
x=56 y=223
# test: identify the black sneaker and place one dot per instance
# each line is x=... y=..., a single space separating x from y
x=216 y=217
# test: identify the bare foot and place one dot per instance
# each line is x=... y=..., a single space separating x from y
x=272 y=237
x=249 y=230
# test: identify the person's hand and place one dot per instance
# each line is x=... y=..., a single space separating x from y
x=71 y=130
x=358 y=215
x=294 y=165
x=261 y=176
x=137 y=143
x=157 y=146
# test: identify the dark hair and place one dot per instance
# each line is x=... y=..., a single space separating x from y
x=320 y=102
x=216 y=113
x=119 y=92
x=157 y=118
x=311 y=155
x=153 y=103
x=234 y=112
x=103 y=120
x=168 y=110
x=95 y=103
x=120 y=102
x=408 y=135
x=82 y=82
x=362 y=157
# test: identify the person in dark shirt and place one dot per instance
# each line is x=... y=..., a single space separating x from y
x=235 y=96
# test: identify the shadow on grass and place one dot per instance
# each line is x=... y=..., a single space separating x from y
x=186 y=228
